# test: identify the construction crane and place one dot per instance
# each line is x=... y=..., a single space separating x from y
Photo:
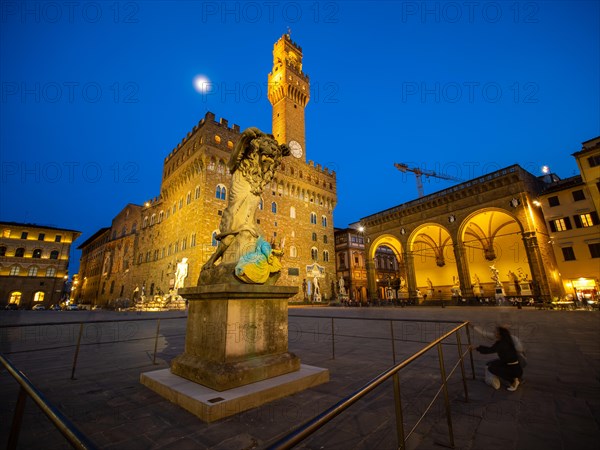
x=419 y=173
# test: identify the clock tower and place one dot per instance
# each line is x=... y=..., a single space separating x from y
x=288 y=92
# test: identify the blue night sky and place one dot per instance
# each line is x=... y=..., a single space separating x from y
x=94 y=95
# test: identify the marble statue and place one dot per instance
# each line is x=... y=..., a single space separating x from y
x=181 y=273
x=253 y=164
x=342 y=286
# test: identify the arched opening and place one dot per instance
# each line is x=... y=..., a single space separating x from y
x=496 y=256
x=434 y=265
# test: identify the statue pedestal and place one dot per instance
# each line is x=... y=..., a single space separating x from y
x=525 y=288
x=477 y=290
x=236 y=335
x=236 y=352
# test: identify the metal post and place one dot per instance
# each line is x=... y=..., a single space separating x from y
x=470 y=349
x=156 y=340
x=399 y=416
x=446 y=398
x=393 y=342
x=332 y=340
x=15 y=428
x=76 y=351
x=462 y=365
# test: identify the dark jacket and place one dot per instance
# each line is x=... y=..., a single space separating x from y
x=506 y=352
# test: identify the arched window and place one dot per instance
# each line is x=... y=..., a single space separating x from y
x=314 y=237
x=20 y=252
x=134 y=227
x=39 y=296
x=313 y=218
x=292 y=212
x=324 y=239
x=197 y=193
x=15 y=297
x=293 y=252
x=51 y=272
x=188 y=198
x=14 y=270
x=124 y=230
x=214 y=239
x=260 y=204
x=161 y=215
x=211 y=164
x=221 y=192
x=221 y=167
x=152 y=219
x=217 y=139
x=325 y=256
x=230 y=145
x=324 y=221
x=2 y=251
x=314 y=253
x=37 y=253
x=145 y=223
x=33 y=271
x=274 y=208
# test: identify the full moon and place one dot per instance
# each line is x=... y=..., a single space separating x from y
x=202 y=84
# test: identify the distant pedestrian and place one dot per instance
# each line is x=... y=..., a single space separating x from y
x=507 y=365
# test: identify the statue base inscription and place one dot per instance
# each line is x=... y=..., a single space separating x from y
x=236 y=335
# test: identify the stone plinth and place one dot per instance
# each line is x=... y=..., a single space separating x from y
x=210 y=405
x=237 y=334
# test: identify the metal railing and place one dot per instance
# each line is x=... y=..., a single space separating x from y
x=311 y=426
x=78 y=344
x=75 y=437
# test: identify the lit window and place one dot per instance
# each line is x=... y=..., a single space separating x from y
x=14 y=270
x=15 y=297
x=586 y=220
x=50 y=272
x=217 y=139
x=38 y=296
x=230 y=145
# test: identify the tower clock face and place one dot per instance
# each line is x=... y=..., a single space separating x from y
x=296 y=149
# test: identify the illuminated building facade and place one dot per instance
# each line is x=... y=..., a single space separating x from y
x=34 y=262
x=141 y=249
x=449 y=244
x=571 y=211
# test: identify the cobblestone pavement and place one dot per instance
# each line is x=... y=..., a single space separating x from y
x=557 y=407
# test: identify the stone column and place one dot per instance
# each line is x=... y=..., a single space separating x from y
x=541 y=286
x=372 y=285
x=411 y=281
x=464 y=275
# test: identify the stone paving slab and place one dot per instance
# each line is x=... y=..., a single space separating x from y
x=558 y=405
